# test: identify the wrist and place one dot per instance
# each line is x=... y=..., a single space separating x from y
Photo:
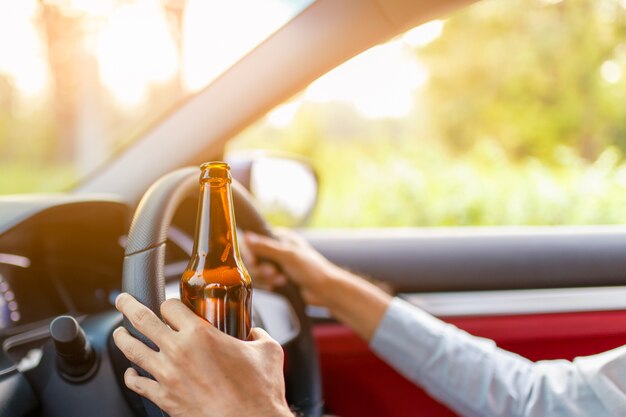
x=354 y=301
x=331 y=280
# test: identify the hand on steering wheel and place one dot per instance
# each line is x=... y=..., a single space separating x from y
x=297 y=259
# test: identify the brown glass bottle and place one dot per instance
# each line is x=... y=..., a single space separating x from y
x=216 y=285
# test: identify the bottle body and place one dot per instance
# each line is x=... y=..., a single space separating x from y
x=222 y=296
x=216 y=284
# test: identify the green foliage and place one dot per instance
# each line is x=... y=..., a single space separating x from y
x=437 y=189
x=527 y=74
x=516 y=126
x=401 y=182
x=19 y=178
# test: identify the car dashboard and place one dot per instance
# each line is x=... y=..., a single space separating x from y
x=63 y=254
x=59 y=254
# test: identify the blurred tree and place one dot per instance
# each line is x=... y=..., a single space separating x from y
x=62 y=33
x=6 y=105
x=174 y=12
x=521 y=123
x=530 y=74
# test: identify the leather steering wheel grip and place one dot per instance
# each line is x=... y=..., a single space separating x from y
x=143 y=277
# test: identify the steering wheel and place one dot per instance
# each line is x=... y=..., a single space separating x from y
x=143 y=278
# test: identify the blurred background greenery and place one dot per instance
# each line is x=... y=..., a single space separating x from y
x=505 y=113
x=521 y=121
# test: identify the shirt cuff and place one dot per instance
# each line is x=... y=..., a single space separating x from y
x=407 y=337
x=605 y=374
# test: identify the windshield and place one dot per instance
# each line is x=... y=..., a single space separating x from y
x=80 y=78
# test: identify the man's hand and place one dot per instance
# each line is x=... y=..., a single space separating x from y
x=299 y=260
x=199 y=370
x=352 y=300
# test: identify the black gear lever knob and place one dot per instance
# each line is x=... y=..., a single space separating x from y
x=76 y=359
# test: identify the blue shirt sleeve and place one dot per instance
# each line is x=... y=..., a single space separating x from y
x=476 y=378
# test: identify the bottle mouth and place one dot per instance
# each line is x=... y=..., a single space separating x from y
x=215 y=173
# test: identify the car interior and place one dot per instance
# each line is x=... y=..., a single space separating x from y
x=543 y=292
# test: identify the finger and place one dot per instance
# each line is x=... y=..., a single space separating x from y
x=269 y=272
x=262 y=339
x=267 y=269
x=262 y=285
x=145 y=387
x=257 y=335
x=287 y=235
x=267 y=276
x=266 y=247
x=271 y=275
x=177 y=314
x=246 y=253
x=135 y=350
x=141 y=317
x=280 y=279
x=261 y=271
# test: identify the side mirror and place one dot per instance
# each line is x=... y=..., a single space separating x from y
x=285 y=187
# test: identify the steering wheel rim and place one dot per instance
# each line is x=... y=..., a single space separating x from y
x=144 y=278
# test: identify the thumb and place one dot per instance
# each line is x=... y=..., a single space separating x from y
x=265 y=247
x=258 y=334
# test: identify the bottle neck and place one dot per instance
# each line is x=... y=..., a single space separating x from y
x=216 y=232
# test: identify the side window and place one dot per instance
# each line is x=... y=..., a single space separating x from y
x=506 y=113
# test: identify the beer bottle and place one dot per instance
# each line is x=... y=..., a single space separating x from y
x=216 y=285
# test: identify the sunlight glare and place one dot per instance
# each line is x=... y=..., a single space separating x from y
x=424 y=34
x=611 y=72
x=93 y=8
x=131 y=60
x=283 y=184
x=22 y=55
x=218 y=33
x=379 y=83
x=284 y=114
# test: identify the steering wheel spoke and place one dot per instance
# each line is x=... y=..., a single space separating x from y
x=276 y=316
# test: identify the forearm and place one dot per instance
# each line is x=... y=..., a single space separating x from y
x=353 y=301
x=473 y=376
